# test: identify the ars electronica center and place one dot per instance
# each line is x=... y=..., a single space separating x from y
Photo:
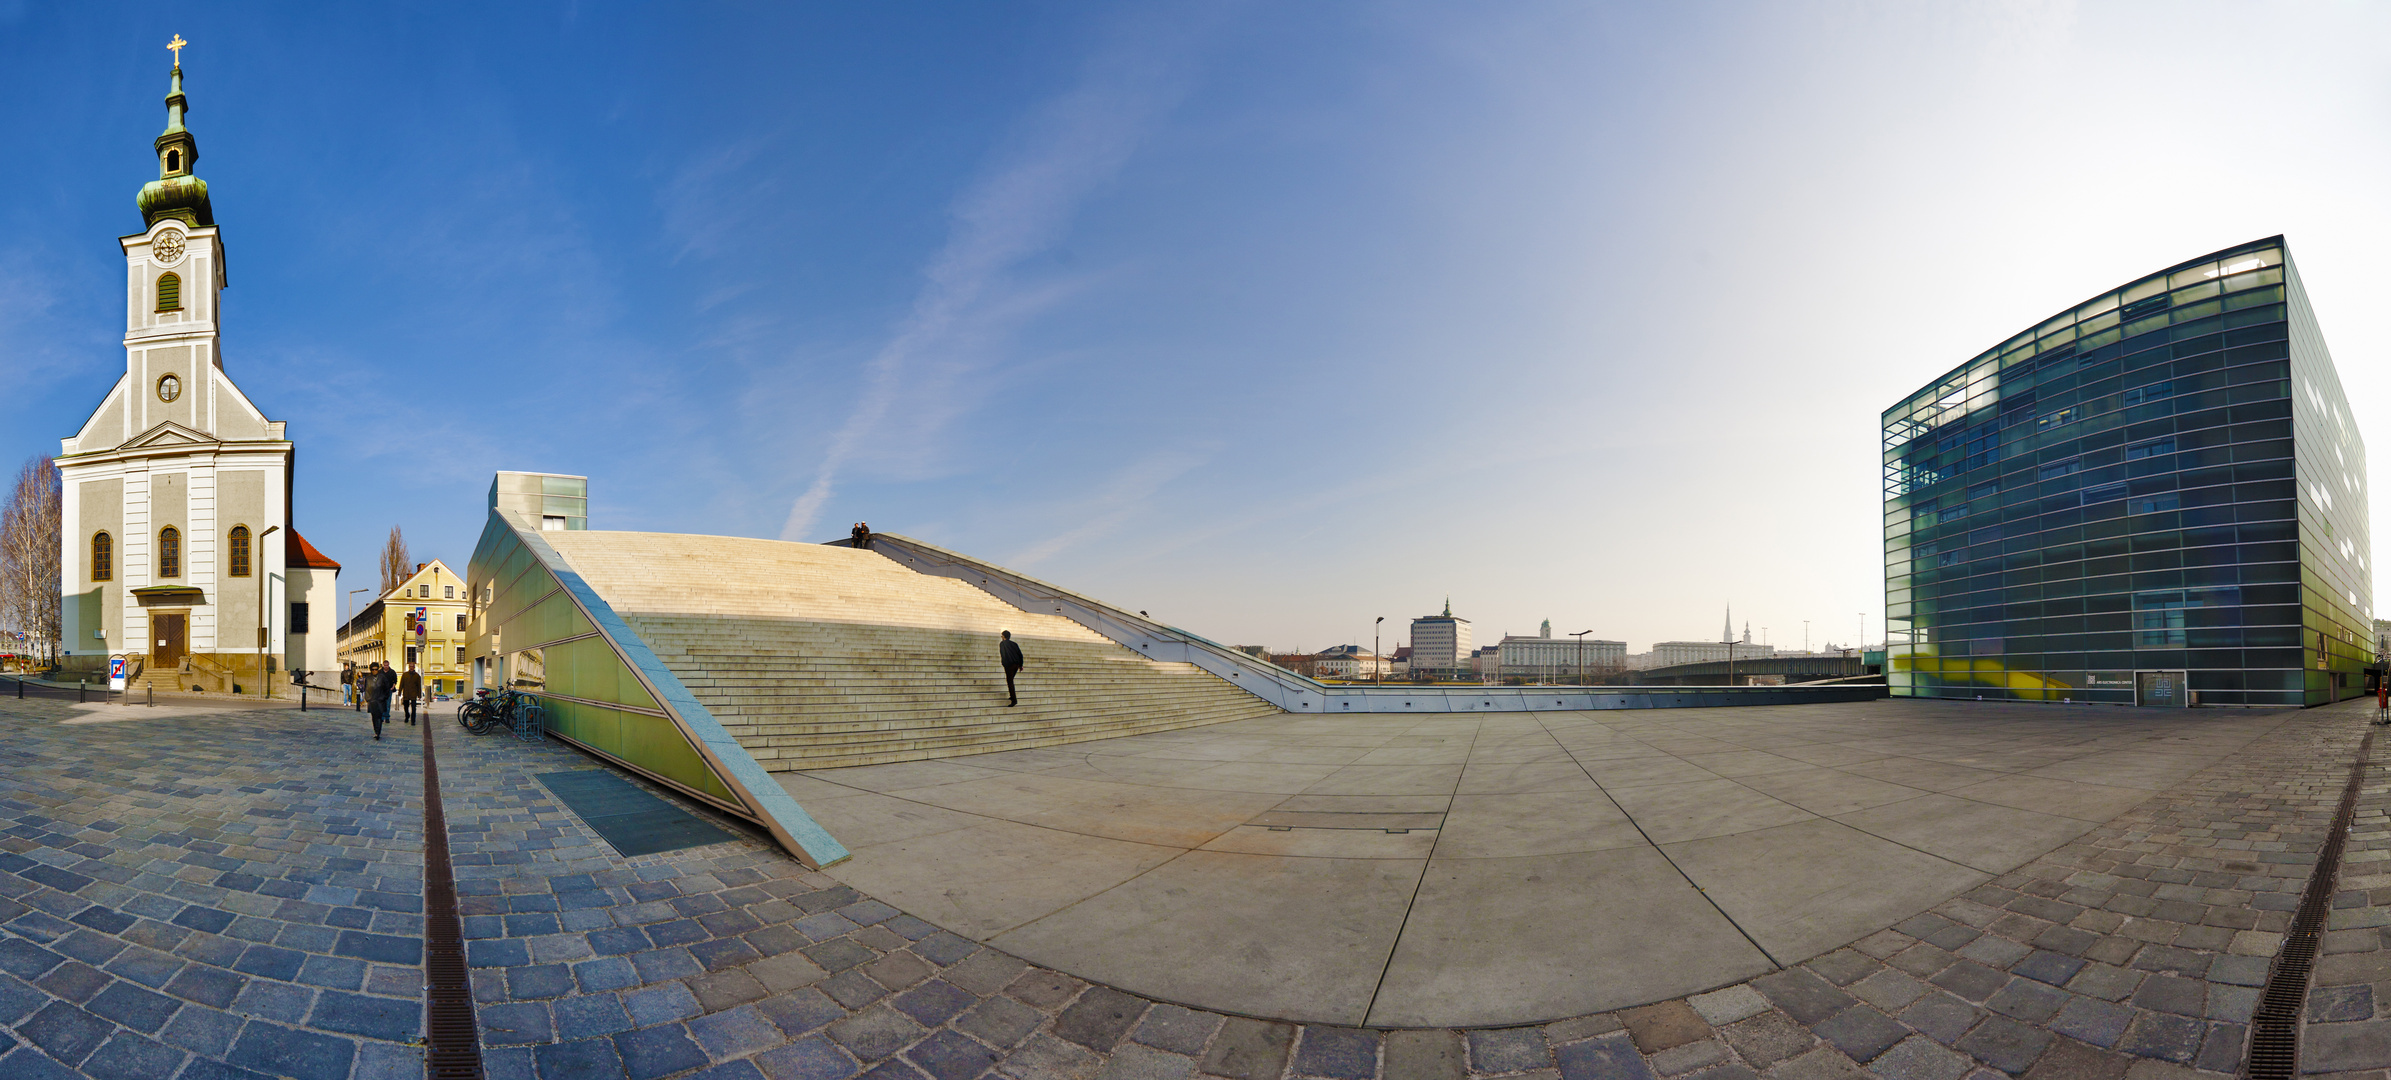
x=2154 y=497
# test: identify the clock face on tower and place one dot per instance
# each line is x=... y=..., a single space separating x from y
x=169 y=387
x=168 y=247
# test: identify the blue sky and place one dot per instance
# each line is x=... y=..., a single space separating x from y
x=1267 y=318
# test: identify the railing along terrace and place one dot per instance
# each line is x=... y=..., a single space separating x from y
x=1299 y=694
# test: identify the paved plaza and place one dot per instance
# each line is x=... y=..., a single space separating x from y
x=196 y=892
x=1491 y=870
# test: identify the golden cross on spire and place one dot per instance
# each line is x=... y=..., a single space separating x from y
x=176 y=47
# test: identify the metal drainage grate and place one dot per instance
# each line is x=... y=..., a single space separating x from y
x=2275 y=1027
x=452 y=1043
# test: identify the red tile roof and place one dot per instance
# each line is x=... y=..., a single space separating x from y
x=297 y=553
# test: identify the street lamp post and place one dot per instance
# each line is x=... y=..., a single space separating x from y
x=257 y=562
x=345 y=615
x=1730 y=643
x=1375 y=670
x=1581 y=655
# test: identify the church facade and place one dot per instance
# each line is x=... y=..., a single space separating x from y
x=179 y=551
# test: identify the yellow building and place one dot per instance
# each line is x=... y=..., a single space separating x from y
x=422 y=622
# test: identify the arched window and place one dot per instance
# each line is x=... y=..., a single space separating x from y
x=174 y=160
x=240 y=550
x=170 y=552
x=103 y=557
x=170 y=292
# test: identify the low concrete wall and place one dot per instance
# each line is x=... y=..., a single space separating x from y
x=1298 y=694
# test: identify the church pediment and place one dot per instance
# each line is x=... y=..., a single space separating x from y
x=167 y=433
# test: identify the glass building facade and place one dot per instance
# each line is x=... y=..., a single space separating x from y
x=2155 y=497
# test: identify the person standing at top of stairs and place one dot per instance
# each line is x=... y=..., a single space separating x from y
x=1010 y=652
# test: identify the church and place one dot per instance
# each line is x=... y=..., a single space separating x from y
x=180 y=554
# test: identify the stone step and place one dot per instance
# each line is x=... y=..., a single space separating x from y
x=814 y=657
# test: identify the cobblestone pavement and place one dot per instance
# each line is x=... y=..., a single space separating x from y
x=2134 y=952
x=2349 y=1002
x=183 y=890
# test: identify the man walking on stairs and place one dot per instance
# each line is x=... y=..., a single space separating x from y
x=1010 y=653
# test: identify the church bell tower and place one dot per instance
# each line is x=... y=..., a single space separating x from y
x=179 y=556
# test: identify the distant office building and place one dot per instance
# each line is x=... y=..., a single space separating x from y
x=1668 y=653
x=1440 y=643
x=2155 y=497
x=1561 y=658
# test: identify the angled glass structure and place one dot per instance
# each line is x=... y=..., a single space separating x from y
x=538 y=627
x=2155 y=497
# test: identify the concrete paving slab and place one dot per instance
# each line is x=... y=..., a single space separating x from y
x=1675 y=812
x=1365 y=804
x=2075 y=799
x=1306 y=843
x=1920 y=772
x=1810 y=887
x=1258 y=777
x=1453 y=753
x=1144 y=814
x=904 y=774
x=1303 y=939
x=1736 y=763
x=1506 y=777
x=1828 y=792
x=1509 y=941
x=1389 y=780
x=1617 y=773
x=2126 y=768
x=865 y=819
x=1989 y=837
x=984 y=880
x=1534 y=823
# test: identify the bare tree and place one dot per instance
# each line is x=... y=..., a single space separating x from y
x=396 y=566
x=30 y=553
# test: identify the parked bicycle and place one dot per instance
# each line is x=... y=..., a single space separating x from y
x=511 y=711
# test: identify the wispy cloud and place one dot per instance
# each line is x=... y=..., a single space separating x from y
x=1021 y=205
x=1123 y=497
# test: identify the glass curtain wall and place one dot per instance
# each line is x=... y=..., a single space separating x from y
x=2154 y=497
x=530 y=635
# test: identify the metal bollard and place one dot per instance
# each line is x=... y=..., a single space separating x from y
x=80 y=691
x=153 y=695
x=302 y=697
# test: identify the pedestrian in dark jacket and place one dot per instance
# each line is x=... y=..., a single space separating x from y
x=348 y=682
x=378 y=687
x=411 y=691
x=1010 y=653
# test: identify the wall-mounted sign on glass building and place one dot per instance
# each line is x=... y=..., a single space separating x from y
x=2156 y=497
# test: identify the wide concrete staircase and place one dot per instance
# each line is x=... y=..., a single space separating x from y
x=816 y=657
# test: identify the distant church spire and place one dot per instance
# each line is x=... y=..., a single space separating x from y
x=1727 y=629
x=176 y=193
x=1448 y=605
